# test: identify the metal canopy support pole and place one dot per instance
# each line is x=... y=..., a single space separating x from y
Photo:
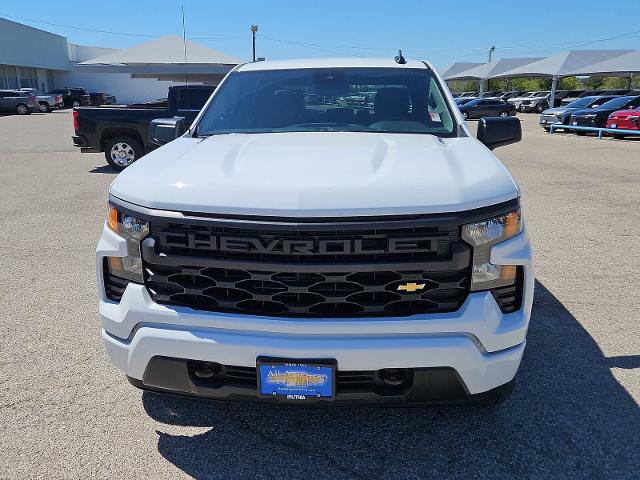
x=629 y=85
x=554 y=86
x=481 y=88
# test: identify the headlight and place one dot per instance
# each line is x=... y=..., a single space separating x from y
x=133 y=230
x=482 y=236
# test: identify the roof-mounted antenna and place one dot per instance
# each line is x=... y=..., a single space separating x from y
x=184 y=44
x=400 y=59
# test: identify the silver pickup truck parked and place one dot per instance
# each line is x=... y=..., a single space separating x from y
x=46 y=101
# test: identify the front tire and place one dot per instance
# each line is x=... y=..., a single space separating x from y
x=44 y=107
x=503 y=114
x=75 y=104
x=122 y=151
x=22 y=109
x=465 y=115
x=539 y=109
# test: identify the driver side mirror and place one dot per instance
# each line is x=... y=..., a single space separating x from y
x=498 y=131
x=164 y=130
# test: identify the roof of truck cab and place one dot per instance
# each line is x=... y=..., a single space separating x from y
x=330 y=63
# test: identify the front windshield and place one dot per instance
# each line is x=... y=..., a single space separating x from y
x=617 y=102
x=393 y=100
x=582 y=102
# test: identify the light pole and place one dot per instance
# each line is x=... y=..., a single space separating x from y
x=254 y=29
x=491 y=50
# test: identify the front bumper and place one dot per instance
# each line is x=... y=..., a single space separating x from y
x=480 y=343
x=547 y=120
x=587 y=121
x=623 y=124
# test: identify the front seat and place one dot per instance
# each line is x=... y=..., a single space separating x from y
x=289 y=108
x=391 y=103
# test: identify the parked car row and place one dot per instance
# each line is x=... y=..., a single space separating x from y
x=24 y=101
x=538 y=101
x=600 y=111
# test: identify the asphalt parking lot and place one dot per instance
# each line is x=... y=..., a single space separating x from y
x=66 y=413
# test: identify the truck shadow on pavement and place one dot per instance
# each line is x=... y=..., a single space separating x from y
x=568 y=417
x=104 y=169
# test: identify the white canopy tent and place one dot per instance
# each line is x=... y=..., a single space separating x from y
x=490 y=70
x=561 y=65
x=164 y=59
x=457 y=68
x=623 y=66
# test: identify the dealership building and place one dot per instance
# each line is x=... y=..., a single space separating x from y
x=34 y=58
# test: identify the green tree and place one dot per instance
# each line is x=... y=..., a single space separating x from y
x=613 y=83
x=569 y=83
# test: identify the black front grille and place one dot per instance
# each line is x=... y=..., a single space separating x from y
x=392 y=268
x=307 y=294
x=585 y=121
x=361 y=244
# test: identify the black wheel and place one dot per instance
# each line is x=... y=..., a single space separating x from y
x=22 y=109
x=546 y=129
x=465 y=115
x=539 y=109
x=43 y=107
x=504 y=113
x=75 y=103
x=122 y=151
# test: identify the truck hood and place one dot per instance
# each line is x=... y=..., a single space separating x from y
x=317 y=175
x=586 y=112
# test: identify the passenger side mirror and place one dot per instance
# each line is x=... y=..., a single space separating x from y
x=164 y=130
x=498 y=131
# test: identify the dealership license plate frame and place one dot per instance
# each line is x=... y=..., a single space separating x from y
x=289 y=364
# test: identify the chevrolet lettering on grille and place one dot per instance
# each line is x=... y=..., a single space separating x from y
x=298 y=246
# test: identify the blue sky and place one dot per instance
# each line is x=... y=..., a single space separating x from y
x=442 y=32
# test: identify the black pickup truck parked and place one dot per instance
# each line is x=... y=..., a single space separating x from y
x=122 y=132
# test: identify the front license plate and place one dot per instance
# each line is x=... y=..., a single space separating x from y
x=614 y=125
x=575 y=124
x=296 y=380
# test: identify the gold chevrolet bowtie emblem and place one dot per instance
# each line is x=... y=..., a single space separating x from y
x=411 y=287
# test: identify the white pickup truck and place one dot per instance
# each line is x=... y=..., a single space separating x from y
x=289 y=248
